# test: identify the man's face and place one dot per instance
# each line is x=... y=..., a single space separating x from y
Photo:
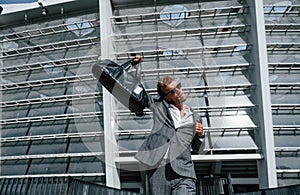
x=175 y=94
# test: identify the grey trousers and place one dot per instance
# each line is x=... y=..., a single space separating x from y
x=164 y=181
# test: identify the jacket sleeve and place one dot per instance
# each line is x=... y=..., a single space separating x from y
x=198 y=143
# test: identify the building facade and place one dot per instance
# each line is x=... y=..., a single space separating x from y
x=238 y=62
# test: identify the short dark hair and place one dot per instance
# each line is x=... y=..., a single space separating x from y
x=162 y=84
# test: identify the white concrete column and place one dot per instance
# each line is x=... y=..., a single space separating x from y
x=106 y=30
x=264 y=136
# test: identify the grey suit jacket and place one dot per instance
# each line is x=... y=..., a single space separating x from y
x=164 y=137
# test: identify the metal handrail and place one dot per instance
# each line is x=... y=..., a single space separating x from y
x=282 y=28
x=213 y=50
x=50 y=47
x=205 y=31
x=51 y=99
x=51 y=137
x=289 y=66
x=284 y=86
x=50 y=118
x=47 y=156
x=43 y=31
x=190 y=14
x=283 y=47
x=55 y=63
x=47 y=82
x=197 y=69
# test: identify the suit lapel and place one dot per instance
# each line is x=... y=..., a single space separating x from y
x=169 y=119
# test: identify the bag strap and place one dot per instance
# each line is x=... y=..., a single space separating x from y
x=127 y=65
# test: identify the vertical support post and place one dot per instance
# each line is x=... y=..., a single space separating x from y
x=230 y=187
x=112 y=174
x=264 y=136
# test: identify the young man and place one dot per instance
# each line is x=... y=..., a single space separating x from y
x=167 y=150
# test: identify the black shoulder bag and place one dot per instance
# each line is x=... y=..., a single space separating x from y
x=123 y=83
